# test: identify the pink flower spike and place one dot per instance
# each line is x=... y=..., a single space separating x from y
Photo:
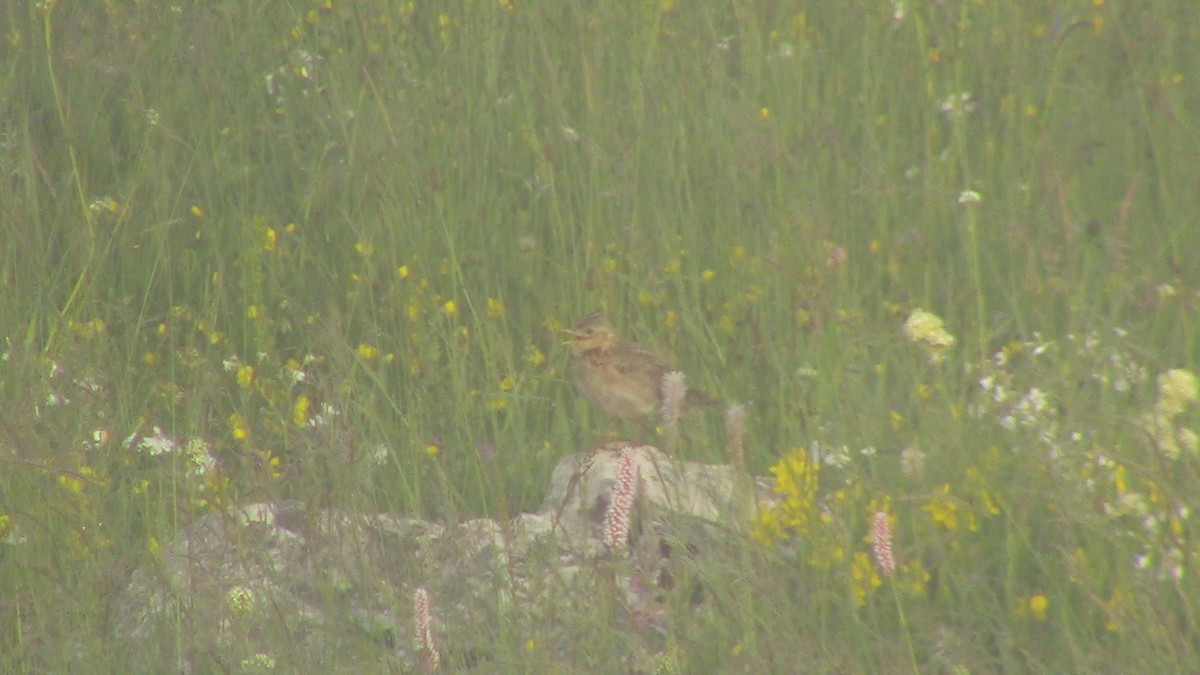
x=881 y=542
x=423 y=637
x=620 y=500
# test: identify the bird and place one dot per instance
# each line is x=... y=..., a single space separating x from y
x=623 y=379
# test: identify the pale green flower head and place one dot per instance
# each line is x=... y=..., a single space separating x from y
x=926 y=328
x=1176 y=389
x=241 y=600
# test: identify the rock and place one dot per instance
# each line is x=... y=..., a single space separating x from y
x=278 y=585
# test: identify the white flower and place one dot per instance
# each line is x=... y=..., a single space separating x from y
x=158 y=444
x=912 y=461
x=969 y=197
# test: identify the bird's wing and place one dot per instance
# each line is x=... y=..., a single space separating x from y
x=634 y=359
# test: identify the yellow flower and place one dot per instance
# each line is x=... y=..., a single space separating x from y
x=495 y=308
x=368 y=352
x=300 y=411
x=71 y=483
x=450 y=308
x=534 y=356
x=239 y=426
x=943 y=510
x=796 y=482
x=916 y=578
x=1037 y=607
x=245 y=376
x=864 y=578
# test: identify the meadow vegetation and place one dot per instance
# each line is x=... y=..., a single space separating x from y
x=324 y=250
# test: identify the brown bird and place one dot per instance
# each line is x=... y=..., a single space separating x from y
x=624 y=379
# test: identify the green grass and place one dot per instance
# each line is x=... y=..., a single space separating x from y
x=407 y=201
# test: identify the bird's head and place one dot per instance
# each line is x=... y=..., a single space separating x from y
x=591 y=333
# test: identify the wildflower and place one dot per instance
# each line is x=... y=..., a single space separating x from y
x=300 y=411
x=199 y=458
x=534 y=356
x=620 y=501
x=912 y=462
x=957 y=105
x=674 y=390
x=241 y=600
x=71 y=483
x=495 y=308
x=969 y=197
x=943 y=510
x=926 y=329
x=103 y=204
x=1176 y=389
x=881 y=544
x=245 y=376
x=1037 y=607
x=796 y=483
x=257 y=663
x=865 y=578
x=239 y=426
x=423 y=636
x=156 y=445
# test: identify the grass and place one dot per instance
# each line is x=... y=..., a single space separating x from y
x=331 y=246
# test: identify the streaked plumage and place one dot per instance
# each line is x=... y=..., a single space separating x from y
x=624 y=379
